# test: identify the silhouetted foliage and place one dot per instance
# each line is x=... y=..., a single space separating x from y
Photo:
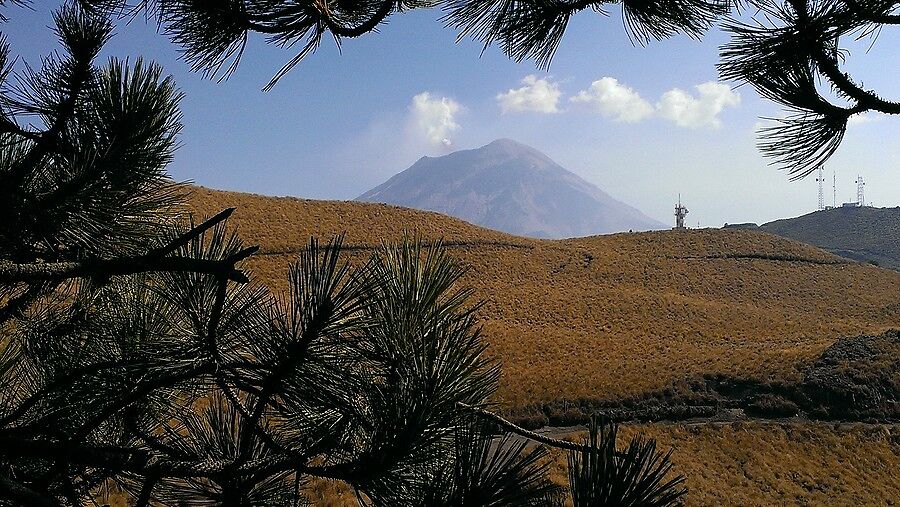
x=490 y=471
x=600 y=474
x=136 y=355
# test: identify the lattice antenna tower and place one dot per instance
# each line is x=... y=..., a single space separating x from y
x=680 y=213
x=821 y=180
x=860 y=191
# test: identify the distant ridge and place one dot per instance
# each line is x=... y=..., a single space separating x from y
x=510 y=187
x=864 y=234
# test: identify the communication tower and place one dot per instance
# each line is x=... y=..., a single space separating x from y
x=680 y=213
x=834 y=190
x=821 y=179
x=860 y=191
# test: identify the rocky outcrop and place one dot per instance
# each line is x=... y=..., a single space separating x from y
x=856 y=378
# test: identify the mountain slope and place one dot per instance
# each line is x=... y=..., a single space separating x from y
x=513 y=188
x=624 y=314
x=865 y=234
x=626 y=307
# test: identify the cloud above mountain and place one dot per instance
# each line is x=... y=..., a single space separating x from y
x=702 y=110
x=539 y=95
x=619 y=102
x=435 y=117
x=615 y=100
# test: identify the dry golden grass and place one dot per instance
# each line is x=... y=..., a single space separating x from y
x=608 y=316
x=780 y=464
x=756 y=464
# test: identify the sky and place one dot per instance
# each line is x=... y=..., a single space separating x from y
x=645 y=124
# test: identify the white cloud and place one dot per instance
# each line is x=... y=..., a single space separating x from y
x=700 y=111
x=435 y=117
x=615 y=100
x=537 y=95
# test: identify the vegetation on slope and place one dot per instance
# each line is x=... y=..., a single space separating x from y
x=757 y=464
x=855 y=379
x=635 y=312
x=863 y=234
x=784 y=464
x=607 y=317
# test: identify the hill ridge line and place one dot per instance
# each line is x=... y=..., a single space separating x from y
x=449 y=244
x=768 y=257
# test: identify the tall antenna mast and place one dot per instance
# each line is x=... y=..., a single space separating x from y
x=821 y=179
x=860 y=191
x=834 y=190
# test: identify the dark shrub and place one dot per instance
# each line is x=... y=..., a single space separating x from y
x=771 y=405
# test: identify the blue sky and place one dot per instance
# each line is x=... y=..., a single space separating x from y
x=343 y=122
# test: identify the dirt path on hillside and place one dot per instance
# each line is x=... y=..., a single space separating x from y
x=724 y=418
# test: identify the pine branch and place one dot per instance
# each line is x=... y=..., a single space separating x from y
x=138 y=393
x=105 y=268
x=153 y=261
x=275 y=23
x=866 y=99
x=518 y=430
x=876 y=15
x=273 y=383
x=8 y=126
x=151 y=441
x=23 y=495
x=14 y=308
x=194 y=233
x=145 y=463
x=83 y=36
x=63 y=382
x=146 y=494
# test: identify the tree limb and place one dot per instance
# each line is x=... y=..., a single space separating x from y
x=195 y=232
x=104 y=268
x=15 y=306
x=23 y=495
x=518 y=430
x=865 y=98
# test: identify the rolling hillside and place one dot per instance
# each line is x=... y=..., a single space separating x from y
x=865 y=234
x=607 y=317
x=624 y=307
x=510 y=187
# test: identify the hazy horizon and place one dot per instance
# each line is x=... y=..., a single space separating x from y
x=642 y=123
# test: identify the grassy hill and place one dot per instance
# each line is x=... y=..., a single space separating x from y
x=634 y=312
x=607 y=317
x=865 y=234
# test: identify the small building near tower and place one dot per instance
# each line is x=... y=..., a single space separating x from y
x=745 y=225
